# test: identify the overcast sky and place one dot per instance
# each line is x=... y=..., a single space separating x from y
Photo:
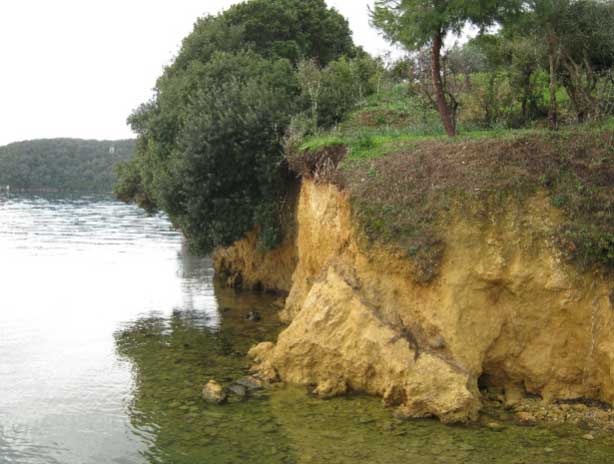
x=77 y=68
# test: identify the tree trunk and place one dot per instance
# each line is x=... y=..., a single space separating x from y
x=440 y=99
x=552 y=60
x=526 y=78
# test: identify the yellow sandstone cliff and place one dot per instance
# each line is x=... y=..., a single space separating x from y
x=505 y=310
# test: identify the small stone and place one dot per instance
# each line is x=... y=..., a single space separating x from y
x=526 y=418
x=389 y=427
x=366 y=420
x=213 y=392
x=250 y=383
x=238 y=390
x=253 y=316
x=549 y=450
x=495 y=426
x=588 y=436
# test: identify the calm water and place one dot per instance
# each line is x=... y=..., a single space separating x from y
x=109 y=329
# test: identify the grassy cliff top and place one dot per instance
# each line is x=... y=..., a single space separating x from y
x=402 y=179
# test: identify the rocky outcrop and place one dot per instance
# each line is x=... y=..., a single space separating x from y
x=338 y=343
x=506 y=311
x=245 y=266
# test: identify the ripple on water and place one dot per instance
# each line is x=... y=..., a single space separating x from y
x=109 y=329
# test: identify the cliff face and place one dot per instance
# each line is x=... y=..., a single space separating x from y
x=245 y=266
x=505 y=311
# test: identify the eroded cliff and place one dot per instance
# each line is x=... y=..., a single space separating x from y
x=505 y=311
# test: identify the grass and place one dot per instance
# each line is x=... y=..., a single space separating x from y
x=368 y=143
x=403 y=180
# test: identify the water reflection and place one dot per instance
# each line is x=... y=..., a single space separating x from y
x=172 y=360
x=72 y=270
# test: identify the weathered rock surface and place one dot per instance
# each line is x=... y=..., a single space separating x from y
x=505 y=309
x=245 y=266
x=213 y=392
x=338 y=344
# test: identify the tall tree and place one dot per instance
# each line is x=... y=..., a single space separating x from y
x=209 y=149
x=419 y=23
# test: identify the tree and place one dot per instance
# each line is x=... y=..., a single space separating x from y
x=291 y=29
x=419 y=23
x=579 y=43
x=68 y=165
x=209 y=149
x=587 y=51
x=544 y=18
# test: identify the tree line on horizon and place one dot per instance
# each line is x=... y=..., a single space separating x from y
x=63 y=165
x=249 y=83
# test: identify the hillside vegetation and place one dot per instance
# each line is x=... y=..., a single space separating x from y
x=402 y=186
x=259 y=94
x=210 y=149
x=69 y=165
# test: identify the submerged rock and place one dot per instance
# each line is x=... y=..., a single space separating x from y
x=214 y=393
x=526 y=418
x=238 y=390
x=250 y=383
x=495 y=426
x=253 y=316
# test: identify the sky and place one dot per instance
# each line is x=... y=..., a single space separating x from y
x=75 y=68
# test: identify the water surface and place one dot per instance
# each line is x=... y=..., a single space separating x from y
x=109 y=329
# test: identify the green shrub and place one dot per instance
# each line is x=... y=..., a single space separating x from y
x=210 y=146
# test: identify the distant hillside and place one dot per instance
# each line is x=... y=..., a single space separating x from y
x=62 y=164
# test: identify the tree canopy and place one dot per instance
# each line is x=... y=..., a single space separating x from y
x=210 y=143
x=419 y=23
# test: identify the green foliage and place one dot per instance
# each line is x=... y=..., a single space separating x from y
x=129 y=185
x=332 y=92
x=230 y=157
x=414 y=23
x=67 y=165
x=210 y=148
x=291 y=29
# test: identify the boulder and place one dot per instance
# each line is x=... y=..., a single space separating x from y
x=214 y=393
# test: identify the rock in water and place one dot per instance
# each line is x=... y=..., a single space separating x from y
x=253 y=316
x=250 y=383
x=238 y=390
x=495 y=426
x=213 y=392
x=526 y=418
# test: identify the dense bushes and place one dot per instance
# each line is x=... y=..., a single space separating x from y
x=210 y=148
